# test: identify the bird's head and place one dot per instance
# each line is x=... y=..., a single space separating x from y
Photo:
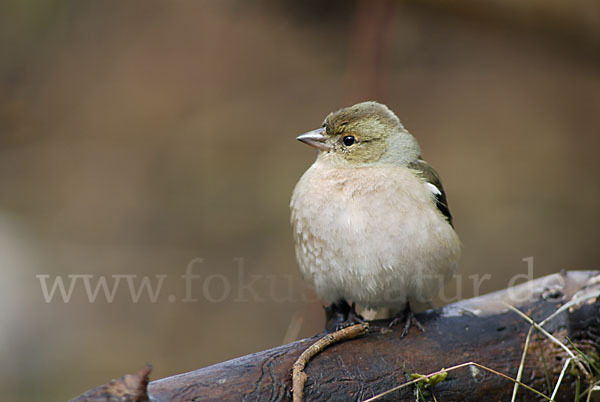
x=365 y=134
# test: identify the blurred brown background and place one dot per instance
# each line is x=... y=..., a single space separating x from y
x=136 y=136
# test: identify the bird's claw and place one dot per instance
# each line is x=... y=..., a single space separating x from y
x=340 y=315
x=409 y=320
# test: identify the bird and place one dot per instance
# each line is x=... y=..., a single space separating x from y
x=370 y=219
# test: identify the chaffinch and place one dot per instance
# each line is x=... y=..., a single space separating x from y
x=370 y=218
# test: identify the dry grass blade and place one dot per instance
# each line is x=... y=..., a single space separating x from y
x=560 y=377
x=425 y=377
x=591 y=391
x=293 y=329
x=521 y=364
x=575 y=300
x=550 y=336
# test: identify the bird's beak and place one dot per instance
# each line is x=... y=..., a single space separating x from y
x=315 y=138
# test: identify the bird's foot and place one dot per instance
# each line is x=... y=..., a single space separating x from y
x=409 y=320
x=340 y=315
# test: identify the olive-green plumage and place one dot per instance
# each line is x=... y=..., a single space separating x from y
x=378 y=134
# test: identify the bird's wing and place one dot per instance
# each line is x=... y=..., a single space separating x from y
x=434 y=183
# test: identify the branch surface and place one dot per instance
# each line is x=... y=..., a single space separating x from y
x=481 y=329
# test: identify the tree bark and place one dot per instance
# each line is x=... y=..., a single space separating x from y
x=483 y=330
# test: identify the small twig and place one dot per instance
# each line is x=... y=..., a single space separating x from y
x=298 y=374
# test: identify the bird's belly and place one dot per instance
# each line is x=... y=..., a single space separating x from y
x=376 y=248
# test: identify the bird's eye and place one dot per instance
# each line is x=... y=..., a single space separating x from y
x=349 y=140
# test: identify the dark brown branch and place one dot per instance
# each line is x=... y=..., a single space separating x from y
x=481 y=329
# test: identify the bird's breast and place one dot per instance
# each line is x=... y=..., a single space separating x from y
x=359 y=231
